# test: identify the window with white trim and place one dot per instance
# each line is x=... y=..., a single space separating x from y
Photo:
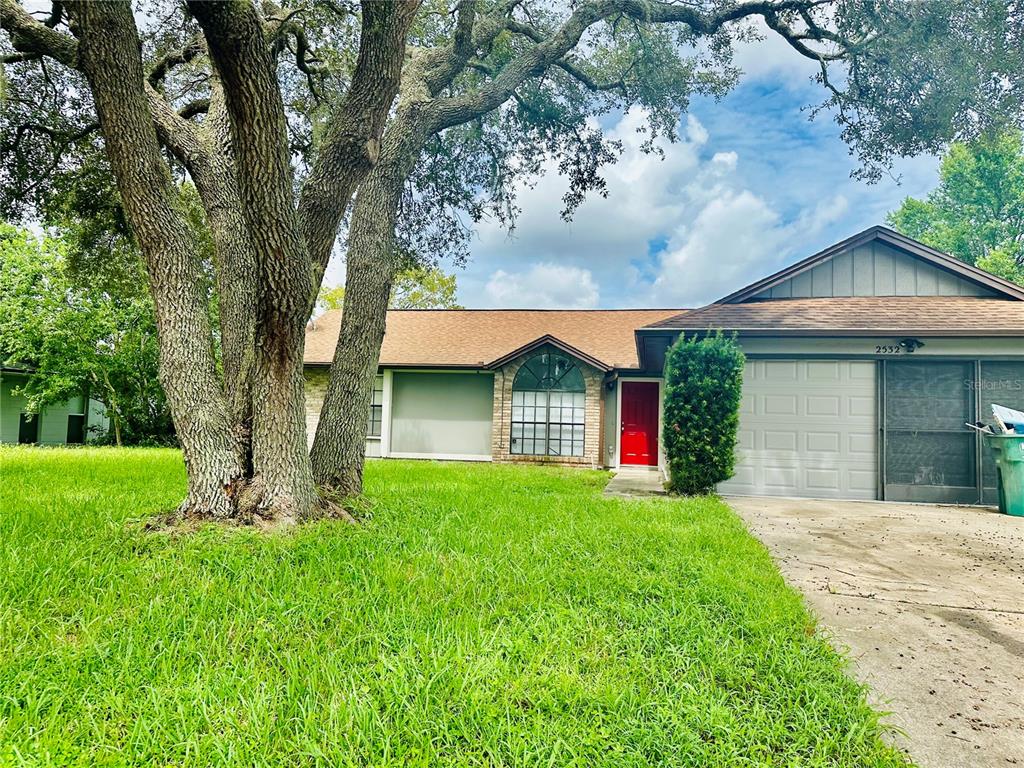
x=548 y=407
x=376 y=407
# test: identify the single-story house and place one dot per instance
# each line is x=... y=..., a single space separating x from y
x=864 y=362
x=76 y=420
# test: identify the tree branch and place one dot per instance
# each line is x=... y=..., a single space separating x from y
x=56 y=13
x=62 y=137
x=171 y=59
x=34 y=37
x=797 y=40
x=193 y=108
x=472 y=33
x=14 y=58
x=590 y=83
x=174 y=130
x=549 y=50
x=352 y=144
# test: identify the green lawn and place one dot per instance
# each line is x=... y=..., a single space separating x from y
x=485 y=616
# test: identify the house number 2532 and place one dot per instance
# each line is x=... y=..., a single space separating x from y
x=888 y=349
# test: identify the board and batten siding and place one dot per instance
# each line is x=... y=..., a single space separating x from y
x=873 y=269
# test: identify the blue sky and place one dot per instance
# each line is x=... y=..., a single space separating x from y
x=751 y=186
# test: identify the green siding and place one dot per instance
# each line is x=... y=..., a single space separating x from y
x=53 y=421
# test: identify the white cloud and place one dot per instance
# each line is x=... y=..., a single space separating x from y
x=646 y=197
x=725 y=245
x=771 y=57
x=726 y=160
x=749 y=187
x=736 y=238
x=543 y=286
x=696 y=133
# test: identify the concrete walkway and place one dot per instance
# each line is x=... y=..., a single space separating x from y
x=636 y=481
x=929 y=602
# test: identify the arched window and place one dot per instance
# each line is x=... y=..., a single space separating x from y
x=548 y=407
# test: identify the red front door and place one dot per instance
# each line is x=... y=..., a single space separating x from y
x=639 y=423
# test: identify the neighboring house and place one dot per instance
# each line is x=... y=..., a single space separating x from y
x=864 y=362
x=57 y=424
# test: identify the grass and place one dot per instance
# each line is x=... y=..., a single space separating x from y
x=485 y=616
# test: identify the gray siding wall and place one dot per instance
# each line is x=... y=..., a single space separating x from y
x=53 y=421
x=873 y=269
x=841 y=346
x=445 y=414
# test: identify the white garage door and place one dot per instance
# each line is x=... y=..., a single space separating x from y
x=807 y=428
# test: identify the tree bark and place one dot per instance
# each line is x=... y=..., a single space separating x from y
x=339 y=446
x=280 y=461
x=217 y=185
x=352 y=144
x=108 y=52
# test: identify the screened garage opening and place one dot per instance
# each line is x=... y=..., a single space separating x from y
x=441 y=415
x=928 y=454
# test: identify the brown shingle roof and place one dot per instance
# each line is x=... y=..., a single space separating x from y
x=476 y=337
x=921 y=315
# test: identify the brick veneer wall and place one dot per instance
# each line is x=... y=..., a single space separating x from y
x=502 y=424
x=316 y=391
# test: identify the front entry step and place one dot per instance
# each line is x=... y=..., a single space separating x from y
x=630 y=483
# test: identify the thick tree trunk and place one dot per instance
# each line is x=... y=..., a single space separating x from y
x=339 y=446
x=280 y=461
x=108 y=52
x=352 y=144
x=215 y=179
x=206 y=151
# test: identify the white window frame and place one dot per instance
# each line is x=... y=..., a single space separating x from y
x=384 y=438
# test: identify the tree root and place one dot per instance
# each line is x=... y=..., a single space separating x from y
x=249 y=506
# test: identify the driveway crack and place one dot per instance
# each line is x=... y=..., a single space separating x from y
x=925 y=604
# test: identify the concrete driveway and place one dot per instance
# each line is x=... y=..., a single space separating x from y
x=928 y=601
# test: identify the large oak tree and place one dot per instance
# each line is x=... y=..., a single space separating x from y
x=243 y=432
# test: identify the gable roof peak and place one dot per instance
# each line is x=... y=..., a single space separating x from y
x=890 y=237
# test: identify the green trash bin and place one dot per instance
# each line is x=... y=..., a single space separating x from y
x=1009 y=453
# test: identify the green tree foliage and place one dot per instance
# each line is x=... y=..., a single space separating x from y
x=330 y=297
x=977 y=211
x=417 y=287
x=922 y=75
x=703 y=386
x=78 y=337
x=424 y=288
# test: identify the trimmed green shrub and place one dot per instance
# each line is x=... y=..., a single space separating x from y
x=703 y=386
